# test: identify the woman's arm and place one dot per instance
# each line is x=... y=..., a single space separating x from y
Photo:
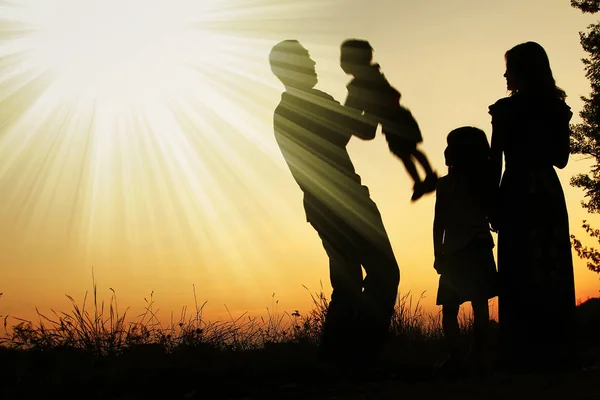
x=495 y=176
x=561 y=146
x=438 y=227
x=496 y=154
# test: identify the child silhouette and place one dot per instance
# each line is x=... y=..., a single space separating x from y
x=462 y=240
x=370 y=92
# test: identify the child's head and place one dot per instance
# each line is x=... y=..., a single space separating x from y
x=355 y=54
x=467 y=147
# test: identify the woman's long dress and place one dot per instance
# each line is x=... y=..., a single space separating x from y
x=535 y=266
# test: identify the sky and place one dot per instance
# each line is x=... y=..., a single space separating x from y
x=136 y=142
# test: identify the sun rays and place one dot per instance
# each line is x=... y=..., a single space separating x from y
x=139 y=130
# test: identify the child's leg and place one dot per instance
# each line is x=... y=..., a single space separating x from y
x=481 y=316
x=401 y=148
x=429 y=184
x=410 y=167
x=451 y=329
x=422 y=159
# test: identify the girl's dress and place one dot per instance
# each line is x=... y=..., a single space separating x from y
x=537 y=291
x=464 y=255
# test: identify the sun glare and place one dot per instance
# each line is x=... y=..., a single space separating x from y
x=130 y=128
x=116 y=48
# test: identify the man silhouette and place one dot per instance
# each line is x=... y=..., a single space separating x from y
x=312 y=131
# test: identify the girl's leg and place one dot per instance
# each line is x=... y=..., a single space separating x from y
x=451 y=330
x=481 y=316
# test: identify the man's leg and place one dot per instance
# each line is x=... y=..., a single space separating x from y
x=380 y=287
x=339 y=329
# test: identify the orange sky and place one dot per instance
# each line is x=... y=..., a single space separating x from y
x=171 y=177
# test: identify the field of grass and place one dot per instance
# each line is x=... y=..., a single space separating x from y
x=96 y=351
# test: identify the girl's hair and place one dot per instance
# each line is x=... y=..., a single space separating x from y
x=530 y=67
x=468 y=159
x=468 y=147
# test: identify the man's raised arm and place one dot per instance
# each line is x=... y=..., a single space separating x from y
x=356 y=122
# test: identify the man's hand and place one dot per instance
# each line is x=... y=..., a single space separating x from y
x=363 y=126
x=356 y=122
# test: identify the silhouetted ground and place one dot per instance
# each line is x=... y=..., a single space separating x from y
x=268 y=361
x=275 y=373
x=583 y=385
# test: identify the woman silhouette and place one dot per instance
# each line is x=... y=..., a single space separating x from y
x=537 y=294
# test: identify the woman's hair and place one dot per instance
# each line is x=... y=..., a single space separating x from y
x=530 y=67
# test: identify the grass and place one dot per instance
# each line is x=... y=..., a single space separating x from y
x=105 y=330
x=99 y=348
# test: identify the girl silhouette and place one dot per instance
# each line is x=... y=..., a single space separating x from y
x=462 y=241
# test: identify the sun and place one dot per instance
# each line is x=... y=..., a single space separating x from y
x=114 y=47
x=131 y=129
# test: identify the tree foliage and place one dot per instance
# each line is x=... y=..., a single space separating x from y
x=587 y=6
x=585 y=139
